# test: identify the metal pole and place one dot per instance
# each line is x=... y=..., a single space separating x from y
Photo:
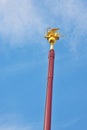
x=48 y=106
x=52 y=35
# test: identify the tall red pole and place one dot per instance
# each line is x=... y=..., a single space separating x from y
x=48 y=106
x=51 y=36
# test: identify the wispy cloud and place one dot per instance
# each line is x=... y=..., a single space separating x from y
x=70 y=123
x=71 y=13
x=20 y=67
x=12 y=122
x=71 y=16
x=19 y=21
x=15 y=127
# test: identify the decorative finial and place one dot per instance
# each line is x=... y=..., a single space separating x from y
x=52 y=35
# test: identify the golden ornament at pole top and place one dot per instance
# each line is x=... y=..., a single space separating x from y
x=52 y=35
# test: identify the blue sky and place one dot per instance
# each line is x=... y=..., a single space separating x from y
x=24 y=64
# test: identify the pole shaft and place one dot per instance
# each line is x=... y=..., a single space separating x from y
x=48 y=106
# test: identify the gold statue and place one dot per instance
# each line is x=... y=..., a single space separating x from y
x=52 y=35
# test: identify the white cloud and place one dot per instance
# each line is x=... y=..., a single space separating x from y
x=71 y=15
x=13 y=122
x=22 y=21
x=20 y=67
x=15 y=127
x=70 y=12
x=70 y=123
x=19 y=20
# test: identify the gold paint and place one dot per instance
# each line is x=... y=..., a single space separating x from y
x=52 y=35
